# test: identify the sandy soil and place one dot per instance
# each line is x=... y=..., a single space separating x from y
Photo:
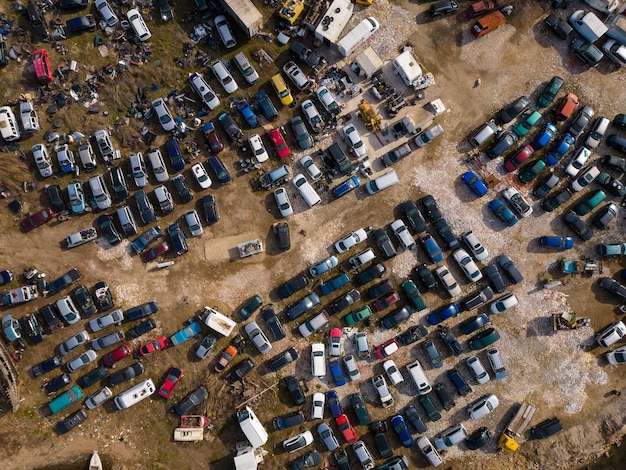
x=563 y=374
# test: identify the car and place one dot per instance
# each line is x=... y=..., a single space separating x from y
x=475 y=183
x=604 y=216
x=430 y=206
x=327 y=99
x=429 y=407
x=474 y=245
x=528 y=175
x=428 y=135
x=93 y=376
x=578 y=225
x=81 y=23
x=311 y=168
x=96 y=399
x=551 y=90
x=566 y=107
x=360 y=409
x=619 y=121
x=37 y=219
x=350 y=240
x=335 y=283
x=163 y=114
x=60 y=381
x=46 y=366
x=477 y=368
x=611 y=335
x=73 y=342
x=394 y=374
x=577 y=128
x=289 y=420
x=616 y=163
x=246 y=69
x=323 y=266
x=191 y=401
x=298 y=78
x=517 y=201
x=317 y=406
x=617 y=356
x=414 y=216
x=222 y=174
x=443 y=313
x=334 y=342
x=294 y=389
x=544 y=188
x=354 y=141
x=278 y=142
x=483 y=407
x=193 y=222
x=304 y=305
x=348 y=185
x=258 y=338
x=595 y=136
x=210 y=99
x=71 y=421
x=432 y=248
x=448 y=281
x=508 y=266
x=239 y=371
x=76 y=196
x=467 y=265
x=586 y=52
x=613 y=286
x=206 y=346
x=222 y=74
x=396 y=317
x=557 y=200
x=387 y=348
x=327 y=436
x=401 y=232
x=337 y=372
x=414 y=295
x=183 y=191
x=501 y=211
x=116 y=355
x=37 y=21
x=156 y=344
x=426 y=276
x=84 y=300
x=313 y=116
x=544 y=137
x=291 y=287
x=223 y=29
x=84 y=359
x=164 y=199
x=305 y=141
x=611 y=249
x=146 y=211
x=560 y=148
x=525 y=126
x=303 y=53
x=42 y=160
x=520 y=157
x=283 y=359
x=412 y=334
x=310 y=459
x=451 y=436
x=483 y=339
x=478 y=438
x=214 y=141
x=201 y=175
x=546 y=428
x=118 y=183
x=611 y=184
x=348 y=432
x=345 y=301
x=250 y=306
x=352 y=368
x=413 y=417
x=399 y=425
x=55 y=195
x=428 y=451
x=357 y=316
x=514 y=109
x=248 y=115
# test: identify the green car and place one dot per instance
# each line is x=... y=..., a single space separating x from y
x=250 y=307
x=531 y=173
x=357 y=316
x=484 y=339
x=413 y=293
x=550 y=92
x=527 y=124
x=590 y=203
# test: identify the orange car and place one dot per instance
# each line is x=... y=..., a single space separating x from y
x=227 y=355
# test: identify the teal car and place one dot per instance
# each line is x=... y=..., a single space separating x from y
x=414 y=295
x=527 y=124
x=483 y=339
x=357 y=316
x=65 y=399
x=531 y=173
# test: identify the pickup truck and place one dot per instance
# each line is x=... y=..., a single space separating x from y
x=81 y=237
x=217 y=321
x=516 y=427
x=19 y=295
x=141 y=243
x=249 y=248
x=186 y=333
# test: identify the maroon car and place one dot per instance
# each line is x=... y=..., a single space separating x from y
x=212 y=138
x=519 y=158
x=157 y=251
x=36 y=219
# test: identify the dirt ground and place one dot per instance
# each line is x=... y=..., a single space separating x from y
x=563 y=373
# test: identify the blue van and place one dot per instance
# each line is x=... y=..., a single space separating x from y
x=175 y=153
x=65 y=399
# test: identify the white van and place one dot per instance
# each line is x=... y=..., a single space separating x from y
x=382 y=182
x=134 y=394
x=306 y=190
x=318 y=360
x=358 y=35
x=138 y=25
x=8 y=124
x=127 y=220
x=496 y=363
x=419 y=377
x=408 y=68
x=252 y=427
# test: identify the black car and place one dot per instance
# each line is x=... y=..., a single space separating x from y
x=81 y=23
x=343 y=461
x=144 y=206
x=514 y=109
x=444 y=7
x=586 y=52
x=546 y=428
x=273 y=323
x=308 y=460
x=56 y=384
x=509 y=268
x=183 y=191
x=461 y=385
x=411 y=335
x=413 y=417
x=379 y=428
x=142 y=328
x=92 y=376
x=375 y=271
x=178 y=239
x=124 y=375
x=141 y=311
x=445 y=232
x=289 y=420
x=47 y=365
x=166 y=10
x=444 y=396
x=345 y=301
x=414 y=216
x=71 y=421
x=426 y=276
x=478 y=438
x=378 y=290
x=36 y=19
x=118 y=183
x=301 y=52
x=32 y=327
x=559 y=26
x=191 y=401
x=291 y=287
x=62 y=282
x=209 y=204
x=578 y=225
x=85 y=302
x=546 y=186
x=448 y=337
x=282 y=233
x=283 y=359
x=50 y=315
x=240 y=370
x=397 y=316
x=109 y=230
x=55 y=195
x=557 y=200
x=384 y=243
x=103 y=296
x=295 y=390
x=72 y=4
x=431 y=207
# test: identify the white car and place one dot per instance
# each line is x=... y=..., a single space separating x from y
x=283 y=202
x=351 y=240
x=503 y=304
x=193 y=222
x=578 y=161
x=223 y=29
x=258 y=149
x=224 y=77
x=428 y=135
x=72 y=343
x=317 y=410
x=400 y=230
x=28 y=115
x=611 y=335
x=617 y=356
x=477 y=368
x=163 y=114
x=517 y=201
x=318 y=360
x=112 y=318
x=585 y=178
x=483 y=407
x=448 y=281
x=105 y=146
x=258 y=338
x=327 y=99
x=158 y=165
x=615 y=51
x=351 y=367
x=202 y=88
x=429 y=452
x=475 y=246
x=451 y=436
x=596 y=134
x=297 y=442
x=105 y=10
x=296 y=75
x=353 y=139
x=467 y=265
x=66 y=159
x=8 y=125
x=84 y=359
x=380 y=384
x=394 y=374
x=100 y=192
x=42 y=160
x=313 y=116
x=138 y=169
x=201 y=175
x=311 y=168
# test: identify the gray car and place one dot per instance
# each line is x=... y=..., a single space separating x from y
x=258 y=338
x=72 y=343
x=305 y=141
x=98 y=398
x=327 y=435
x=107 y=340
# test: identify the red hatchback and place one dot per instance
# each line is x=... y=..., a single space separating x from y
x=36 y=219
x=346 y=429
x=519 y=158
x=153 y=346
x=116 y=355
x=157 y=251
x=41 y=63
x=278 y=142
x=172 y=378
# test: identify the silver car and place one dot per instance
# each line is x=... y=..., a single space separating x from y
x=352 y=368
x=72 y=343
x=98 y=398
x=477 y=368
x=109 y=17
x=327 y=435
x=112 y=318
x=84 y=359
x=193 y=221
x=258 y=338
x=353 y=139
x=283 y=202
x=107 y=340
x=138 y=169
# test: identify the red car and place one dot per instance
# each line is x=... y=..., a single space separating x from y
x=36 y=219
x=213 y=138
x=157 y=251
x=387 y=348
x=346 y=429
x=116 y=355
x=41 y=63
x=519 y=158
x=480 y=8
x=172 y=378
x=155 y=345
x=278 y=142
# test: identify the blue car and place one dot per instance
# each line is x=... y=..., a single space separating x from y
x=474 y=323
x=186 y=333
x=323 y=267
x=246 y=111
x=349 y=185
x=303 y=306
x=222 y=174
x=432 y=248
x=443 y=313
x=335 y=369
x=76 y=196
x=563 y=243
x=399 y=425
x=473 y=182
x=545 y=137
x=335 y=283
x=502 y=212
x=560 y=149
x=332 y=399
